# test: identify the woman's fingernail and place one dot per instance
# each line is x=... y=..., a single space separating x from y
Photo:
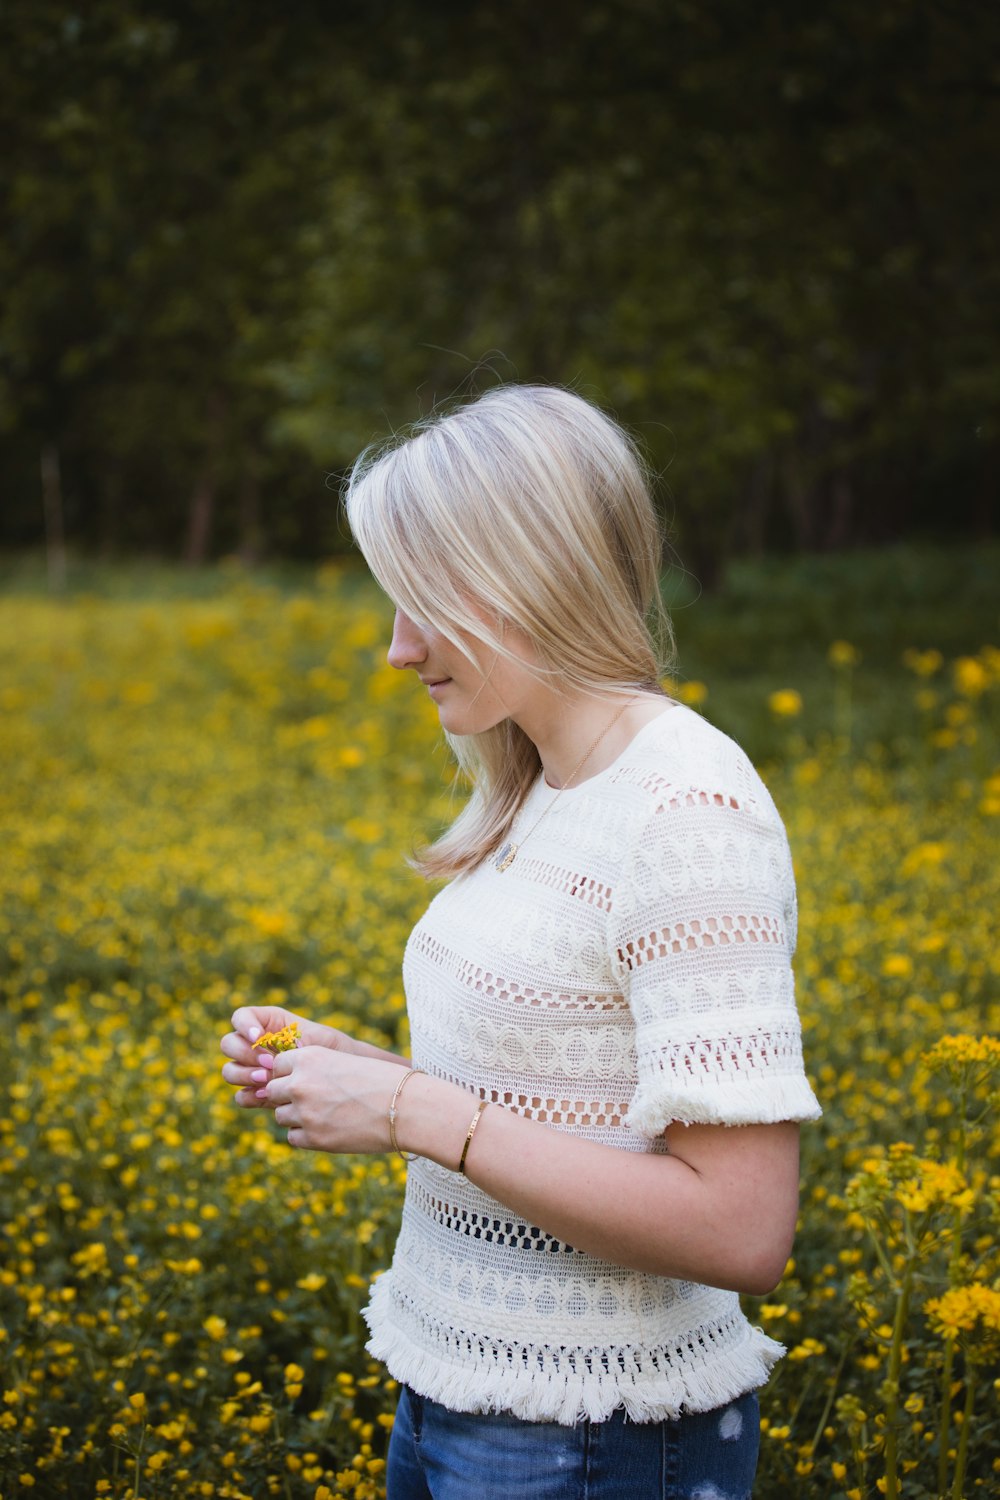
x=259 y=1075
x=260 y=1094
x=266 y=1060
x=255 y=1032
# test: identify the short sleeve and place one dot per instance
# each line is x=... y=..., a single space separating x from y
x=701 y=937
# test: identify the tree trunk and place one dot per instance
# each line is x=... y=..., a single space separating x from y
x=202 y=507
x=838 y=533
x=200 y=517
x=109 y=524
x=756 y=506
x=52 y=506
x=249 y=504
x=984 y=509
x=798 y=501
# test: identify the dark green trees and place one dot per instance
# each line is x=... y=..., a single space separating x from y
x=240 y=241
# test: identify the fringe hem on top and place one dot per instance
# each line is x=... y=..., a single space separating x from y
x=660 y=1103
x=564 y=1397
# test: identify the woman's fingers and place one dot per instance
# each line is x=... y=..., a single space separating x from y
x=245 y=1077
x=278 y=1091
x=237 y=1047
x=250 y=1070
x=250 y=1019
x=251 y=1098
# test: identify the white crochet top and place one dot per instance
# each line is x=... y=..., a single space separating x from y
x=631 y=968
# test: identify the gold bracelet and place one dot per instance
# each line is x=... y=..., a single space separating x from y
x=472 y=1130
x=400 y=1086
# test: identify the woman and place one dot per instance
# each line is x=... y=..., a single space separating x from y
x=601 y=1111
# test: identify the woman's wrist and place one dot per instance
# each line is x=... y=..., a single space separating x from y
x=433 y=1119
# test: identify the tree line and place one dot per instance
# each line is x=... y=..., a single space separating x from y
x=240 y=242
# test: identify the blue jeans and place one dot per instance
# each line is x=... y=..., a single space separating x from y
x=437 y=1454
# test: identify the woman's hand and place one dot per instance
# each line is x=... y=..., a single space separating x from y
x=250 y=1070
x=331 y=1100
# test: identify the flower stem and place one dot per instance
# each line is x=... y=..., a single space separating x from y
x=963 y=1441
x=954 y=1269
x=891 y=1386
x=944 y=1423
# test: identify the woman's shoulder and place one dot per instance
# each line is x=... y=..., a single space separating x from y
x=679 y=758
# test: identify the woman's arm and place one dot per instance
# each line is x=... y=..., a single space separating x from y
x=720 y=1209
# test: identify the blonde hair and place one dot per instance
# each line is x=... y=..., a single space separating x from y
x=531 y=507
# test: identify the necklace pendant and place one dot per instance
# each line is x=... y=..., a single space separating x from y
x=505 y=857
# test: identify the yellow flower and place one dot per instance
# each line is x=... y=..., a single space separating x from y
x=692 y=693
x=92 y=1259
x=971 y=678
x=269 y=924
x=923 y=663
x=963 y=1051
x=786 y=703
x=311 y=1283
x=807 y=1349
x=768 y=1311
x=285 y=1040
x=916 y=1183
x=215 y=1326
x=927 y=856
x=843 y=654
x=970 y=1314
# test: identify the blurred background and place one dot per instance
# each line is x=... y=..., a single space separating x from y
x=241 y=241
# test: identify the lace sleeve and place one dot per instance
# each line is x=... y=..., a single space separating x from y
x=701 y=939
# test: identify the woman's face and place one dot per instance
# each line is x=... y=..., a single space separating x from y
x=470 y=699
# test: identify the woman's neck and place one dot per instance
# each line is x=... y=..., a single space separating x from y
x=562 y=730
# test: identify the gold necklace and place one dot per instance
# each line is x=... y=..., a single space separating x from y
x=507 y=854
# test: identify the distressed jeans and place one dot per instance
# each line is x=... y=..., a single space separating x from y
x=437 y=1454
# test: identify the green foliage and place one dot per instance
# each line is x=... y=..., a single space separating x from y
x=243 y=243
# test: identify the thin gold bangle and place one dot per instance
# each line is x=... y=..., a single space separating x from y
x=472 y=1130
x=400 y=1086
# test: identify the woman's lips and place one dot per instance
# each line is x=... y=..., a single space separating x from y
x=435 y=687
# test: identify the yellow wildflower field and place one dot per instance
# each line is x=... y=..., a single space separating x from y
x=208 y=801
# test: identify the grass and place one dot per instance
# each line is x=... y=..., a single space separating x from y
x=209 y=783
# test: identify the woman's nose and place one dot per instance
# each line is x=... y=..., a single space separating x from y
x=407 y=647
